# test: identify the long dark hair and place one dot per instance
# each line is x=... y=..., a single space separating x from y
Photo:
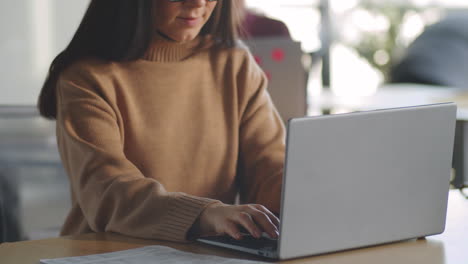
x=122 y=30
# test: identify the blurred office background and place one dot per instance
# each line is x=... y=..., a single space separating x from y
x=349 y=48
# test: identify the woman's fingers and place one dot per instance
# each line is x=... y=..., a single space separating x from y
x=264 y=221
x=228 y=219
x=271 y=215
x=245 y=219
x=232 y=230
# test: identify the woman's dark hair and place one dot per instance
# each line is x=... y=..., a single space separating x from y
x=122 y=30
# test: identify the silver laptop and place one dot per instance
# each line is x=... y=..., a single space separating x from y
x=360 y=179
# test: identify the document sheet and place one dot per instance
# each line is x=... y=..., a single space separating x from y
x=147 y=255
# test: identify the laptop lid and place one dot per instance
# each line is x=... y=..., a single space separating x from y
x=365 y=178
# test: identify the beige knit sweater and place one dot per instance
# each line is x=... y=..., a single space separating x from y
x=148 y=144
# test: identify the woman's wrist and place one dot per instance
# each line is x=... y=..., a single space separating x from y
x=196 y=229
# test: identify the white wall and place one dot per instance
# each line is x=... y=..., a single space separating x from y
x=32 y=33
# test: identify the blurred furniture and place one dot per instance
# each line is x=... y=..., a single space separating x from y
x=448 y=247
x=36 y=185
x=281 y=60
x=10 y=226
x=439 y=56
x=403 y=95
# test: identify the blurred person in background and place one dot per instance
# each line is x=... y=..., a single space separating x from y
x=255 y=25
x=439 y=56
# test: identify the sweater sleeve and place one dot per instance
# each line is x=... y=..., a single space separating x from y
x=111 y=191
x=261 y=139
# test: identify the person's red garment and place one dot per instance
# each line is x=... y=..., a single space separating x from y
x=256 y=25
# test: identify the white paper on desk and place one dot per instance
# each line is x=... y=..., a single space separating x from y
x=147 y=255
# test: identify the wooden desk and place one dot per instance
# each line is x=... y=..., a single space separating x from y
x=450 y=247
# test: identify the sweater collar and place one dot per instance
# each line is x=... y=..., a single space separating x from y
x=163 y=49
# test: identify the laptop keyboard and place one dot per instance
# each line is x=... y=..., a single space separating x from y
x=247 y=241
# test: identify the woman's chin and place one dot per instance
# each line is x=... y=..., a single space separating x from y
x=184 y=37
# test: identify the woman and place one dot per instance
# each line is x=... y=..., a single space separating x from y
x=162 y=119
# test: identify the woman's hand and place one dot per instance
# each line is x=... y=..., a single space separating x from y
x=219 y=218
